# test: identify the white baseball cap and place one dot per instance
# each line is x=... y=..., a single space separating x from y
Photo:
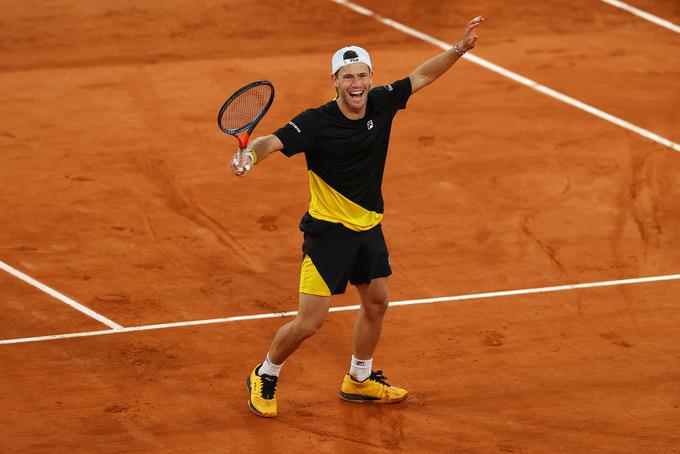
x=338 y=61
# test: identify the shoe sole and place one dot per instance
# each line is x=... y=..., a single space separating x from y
x=358 y=398
x=252 y=407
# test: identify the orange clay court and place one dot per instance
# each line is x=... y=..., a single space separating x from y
x=117 y=196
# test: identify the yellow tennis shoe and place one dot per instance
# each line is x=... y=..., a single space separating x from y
x=374 y=389
x=262 y=390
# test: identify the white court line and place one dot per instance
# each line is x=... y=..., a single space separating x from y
x=514 y=76
x=63 y=298
x=644 y=14
x=558 y=288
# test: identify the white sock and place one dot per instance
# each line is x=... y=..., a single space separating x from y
x=360 y=369
x=269 y=368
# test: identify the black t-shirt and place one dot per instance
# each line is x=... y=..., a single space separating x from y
x=346 y=157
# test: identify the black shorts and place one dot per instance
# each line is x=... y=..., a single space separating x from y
x=334 y=255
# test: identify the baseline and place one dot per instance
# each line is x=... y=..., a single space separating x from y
x=644 y=15
x=513 y=76
x=61 y=297
x=558 y=288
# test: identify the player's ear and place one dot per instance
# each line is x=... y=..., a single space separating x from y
x=335 y=83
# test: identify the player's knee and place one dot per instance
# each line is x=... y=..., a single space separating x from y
x=305 y=328
x=383 y=304
x=377 y=305
x=306 y=331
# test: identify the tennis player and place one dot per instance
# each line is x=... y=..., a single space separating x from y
x=345 y=144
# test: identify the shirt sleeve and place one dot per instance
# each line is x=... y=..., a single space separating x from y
x=297 y=136
x=394 y=96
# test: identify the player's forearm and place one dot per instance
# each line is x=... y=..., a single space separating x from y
x=264 y=146
x=429 y=71
x=433 y=68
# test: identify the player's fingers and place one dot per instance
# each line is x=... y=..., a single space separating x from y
x=474 y=23
x=237 y=166
x=239 y=171
x=471 y=29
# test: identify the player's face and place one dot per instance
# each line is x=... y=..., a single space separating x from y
x=353 y=83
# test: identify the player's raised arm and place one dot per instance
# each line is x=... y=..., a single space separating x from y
x=258 y=149
x=429 y=71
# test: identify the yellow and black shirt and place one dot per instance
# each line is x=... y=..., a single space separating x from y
x=346 y=158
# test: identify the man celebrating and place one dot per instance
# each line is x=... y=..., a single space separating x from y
x=345 y=144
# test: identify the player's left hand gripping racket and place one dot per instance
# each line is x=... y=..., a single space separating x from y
x=244 y=110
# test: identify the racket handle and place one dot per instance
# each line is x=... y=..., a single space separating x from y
x=242 y=161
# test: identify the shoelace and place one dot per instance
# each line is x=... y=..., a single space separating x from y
x=268 y=386
x=377 y=376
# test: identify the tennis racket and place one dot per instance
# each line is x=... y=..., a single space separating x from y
x=243 y=111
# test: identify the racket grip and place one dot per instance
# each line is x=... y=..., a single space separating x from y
x=242 y=149
x=242 y=161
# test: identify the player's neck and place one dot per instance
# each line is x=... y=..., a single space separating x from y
x=350 y=113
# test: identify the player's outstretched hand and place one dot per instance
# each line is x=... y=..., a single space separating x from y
x=470 y=36
x=242 y=162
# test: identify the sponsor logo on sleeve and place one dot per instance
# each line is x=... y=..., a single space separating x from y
x=295 y=126
x=389 y=87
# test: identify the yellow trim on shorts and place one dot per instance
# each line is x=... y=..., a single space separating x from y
x=327 y=204
x=311 y=281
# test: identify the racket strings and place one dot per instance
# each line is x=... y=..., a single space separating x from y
x=246 y=107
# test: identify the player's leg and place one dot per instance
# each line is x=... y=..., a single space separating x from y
x=312 y=311
x=361 y=384
x=369 y=275
x=315 y=295
x=368 y=325
x=311 y=315
x=325 y=270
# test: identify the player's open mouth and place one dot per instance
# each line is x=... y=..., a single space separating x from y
x=356 y=94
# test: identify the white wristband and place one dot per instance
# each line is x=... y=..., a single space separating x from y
x=252 y=154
